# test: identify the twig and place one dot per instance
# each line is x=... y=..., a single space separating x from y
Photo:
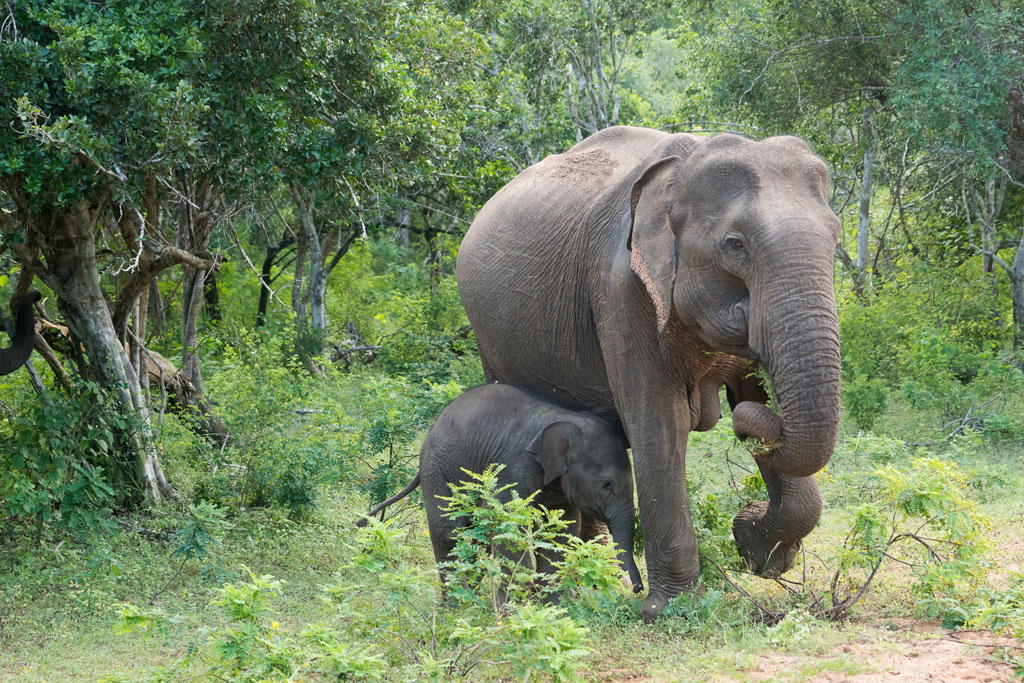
x=775 y=618
x=259 y=276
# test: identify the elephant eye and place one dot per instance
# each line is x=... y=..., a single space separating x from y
x=735 y=243
x=606 y=485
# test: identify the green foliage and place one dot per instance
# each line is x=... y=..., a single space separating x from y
x=532 y=638
x=797 y=626
x=275 y=458
x=61 y=463
x=92 y=93
x=545 y=641
x=865 y=399
x=591 y=570
x=250 y=646
x=921 y=515
x=393 y=413
x=199 y=536
x=942 y=357
x=502 y=536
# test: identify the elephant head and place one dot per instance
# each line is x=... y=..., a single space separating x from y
x=588 y=458
x=734 y=241
x=14 y=356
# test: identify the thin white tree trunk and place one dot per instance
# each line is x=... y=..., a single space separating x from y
x=864 y=210
x=317 y=274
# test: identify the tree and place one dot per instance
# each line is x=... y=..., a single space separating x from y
x=94 y=107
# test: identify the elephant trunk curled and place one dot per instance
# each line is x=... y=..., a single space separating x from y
x=796 y=333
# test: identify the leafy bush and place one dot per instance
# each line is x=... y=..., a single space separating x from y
x=384 y=619
x=392 y=414
x=866 y=399
x=61 y=463
x=920 y=515
x=252 y=647
x=275 y=458
x=933 y=337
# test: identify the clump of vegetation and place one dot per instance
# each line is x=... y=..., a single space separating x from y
x=385 y=616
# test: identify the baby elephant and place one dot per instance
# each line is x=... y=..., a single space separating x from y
x=577 y=461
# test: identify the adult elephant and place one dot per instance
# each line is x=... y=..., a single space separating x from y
x=14 y=356
x=636 y=274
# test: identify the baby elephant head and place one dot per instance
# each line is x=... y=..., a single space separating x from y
x=588 y=458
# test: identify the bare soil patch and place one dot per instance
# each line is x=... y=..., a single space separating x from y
x=927 y=653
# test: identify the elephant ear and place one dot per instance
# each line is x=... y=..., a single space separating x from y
x=551 y=448
x=651 y=241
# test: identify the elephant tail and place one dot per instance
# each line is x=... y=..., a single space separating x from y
x=393 y=499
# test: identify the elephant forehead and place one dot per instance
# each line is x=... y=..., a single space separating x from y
x=752 y=164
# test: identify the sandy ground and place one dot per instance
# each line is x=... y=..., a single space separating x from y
x=949 y=658
x=916 y=653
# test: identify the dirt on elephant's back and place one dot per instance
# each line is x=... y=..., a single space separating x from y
x=582 y=166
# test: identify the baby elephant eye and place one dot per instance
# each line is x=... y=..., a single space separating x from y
x=735 y=243
x=606 y=484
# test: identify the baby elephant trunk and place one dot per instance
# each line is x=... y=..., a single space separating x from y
x=622 y=537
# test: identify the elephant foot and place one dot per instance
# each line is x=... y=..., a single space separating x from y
x=652 y=608
x=763 y=556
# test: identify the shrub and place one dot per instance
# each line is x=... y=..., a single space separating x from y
x=61 y=463
x=393 y=413
x=865 y=399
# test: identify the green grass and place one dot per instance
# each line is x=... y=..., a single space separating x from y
x=58 y=618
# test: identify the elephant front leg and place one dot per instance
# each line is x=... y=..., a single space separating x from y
x=670 y=544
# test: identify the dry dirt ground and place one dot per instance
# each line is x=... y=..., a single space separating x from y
x=915 y=652
x=944 y=656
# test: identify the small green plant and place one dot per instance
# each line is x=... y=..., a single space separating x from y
x=795 y=627
x=921 y=516
x=497 y=549
x=532 y=638
x=251 y=646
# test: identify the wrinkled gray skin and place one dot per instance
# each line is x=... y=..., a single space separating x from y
x=575 y=460
x=14 y=356
x=636 y=274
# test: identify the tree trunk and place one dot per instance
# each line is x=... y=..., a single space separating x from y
x=434 y=240
x=194 y=229
x=211 y=297
x=298 y=295
x=157 y=318
x=864 y=212
x=1015 y=272
x=267 y=274
x=402 y=219
x=317 y=274
x=68 y=243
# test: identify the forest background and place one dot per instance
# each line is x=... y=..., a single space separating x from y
x=243 y=216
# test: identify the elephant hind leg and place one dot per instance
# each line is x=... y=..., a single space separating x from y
x=442 y=538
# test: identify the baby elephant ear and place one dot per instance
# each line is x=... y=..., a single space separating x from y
x=551 y=448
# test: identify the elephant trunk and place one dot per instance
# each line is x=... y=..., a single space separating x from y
x=796 y=334
x=23 y=339
x=622 y=537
